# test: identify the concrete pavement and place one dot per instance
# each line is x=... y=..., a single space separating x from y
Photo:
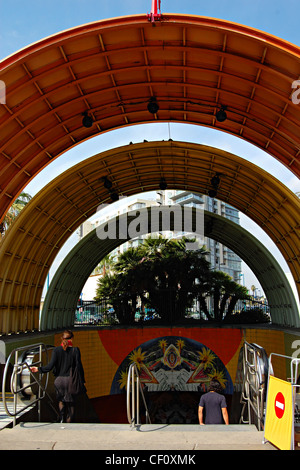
x=113 y=437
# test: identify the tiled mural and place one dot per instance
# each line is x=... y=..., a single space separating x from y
x=173 y=363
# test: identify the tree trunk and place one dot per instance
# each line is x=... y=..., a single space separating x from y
x=231 y=307
x=204 y=308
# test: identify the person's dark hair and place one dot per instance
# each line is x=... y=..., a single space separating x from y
x=215 y=386
x=66 y=336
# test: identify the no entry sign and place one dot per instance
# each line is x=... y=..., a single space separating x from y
x=279 y=405
x=279 y=413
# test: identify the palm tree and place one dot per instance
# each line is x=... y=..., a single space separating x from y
x=167 y=277
x=253 y=288
x=167 y=271
x=105 y=265
x=236 y=293
x=112 y=288
x=159 y=272
x=223 y=292
x=123 y=285
x=107 y=287
x=14 y=211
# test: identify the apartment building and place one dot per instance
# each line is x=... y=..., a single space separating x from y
x=220 y=256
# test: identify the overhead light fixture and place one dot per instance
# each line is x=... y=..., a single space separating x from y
x=215 y=181
x=221 y=115
x=163 y=184
x=114 y=196
x=212 y=193
x=87 y=121
x=152 y=105
x=107 y=183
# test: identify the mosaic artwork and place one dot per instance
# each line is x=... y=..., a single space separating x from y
x=173 y=363
x=174 y=372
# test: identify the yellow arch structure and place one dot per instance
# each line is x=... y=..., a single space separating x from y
x=30 y=246
x=111 y=69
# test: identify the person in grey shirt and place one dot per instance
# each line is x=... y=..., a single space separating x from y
x=212 y=406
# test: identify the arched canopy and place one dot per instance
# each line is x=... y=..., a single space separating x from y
x=33 y=241
x=64 y=291
x=192 y=65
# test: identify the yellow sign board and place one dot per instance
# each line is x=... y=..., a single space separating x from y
x=279 y=414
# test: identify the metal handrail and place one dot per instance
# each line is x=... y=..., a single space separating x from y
x=19 y=367
x=134 y=389
x=294 y=364
x=253 y=391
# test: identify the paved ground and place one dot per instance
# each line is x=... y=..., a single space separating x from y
x=113 y=437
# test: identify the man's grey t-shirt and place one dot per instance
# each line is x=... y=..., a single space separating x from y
x=213 y=403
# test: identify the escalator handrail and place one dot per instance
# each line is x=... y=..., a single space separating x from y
x=17 y=369
x=259 y=371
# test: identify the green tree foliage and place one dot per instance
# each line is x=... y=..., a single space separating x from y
x=224 y=293
x=165 y=276
x=254 y=315
x=14 y=211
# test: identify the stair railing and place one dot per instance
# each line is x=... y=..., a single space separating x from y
x=19 y=367
x=134 y=391
x=254 y=385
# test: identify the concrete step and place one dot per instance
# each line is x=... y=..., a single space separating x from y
x=148 y=437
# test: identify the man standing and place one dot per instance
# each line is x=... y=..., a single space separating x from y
x=213 y=406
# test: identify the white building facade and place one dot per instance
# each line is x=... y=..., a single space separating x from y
x=220 y=257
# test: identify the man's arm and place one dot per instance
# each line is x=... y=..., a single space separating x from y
x=200 y=415
x=225 y=415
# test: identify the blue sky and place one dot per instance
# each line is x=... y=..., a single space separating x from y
x=24 y=22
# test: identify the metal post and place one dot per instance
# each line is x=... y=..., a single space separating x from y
x=137 y=400
x=15 y=370
x=132 y=396
x=154 y=15
x=40 y=379
x=154 y=8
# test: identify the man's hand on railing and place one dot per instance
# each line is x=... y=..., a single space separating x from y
x=34 y=369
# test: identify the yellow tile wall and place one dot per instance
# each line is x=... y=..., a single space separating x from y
x=100 y=368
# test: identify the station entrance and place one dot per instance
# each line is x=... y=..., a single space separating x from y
x=160 y=382
x=95 y=78
x=174 y=367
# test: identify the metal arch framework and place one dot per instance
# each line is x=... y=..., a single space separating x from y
x=110 y=69
x=65 y=289
x=33 y=241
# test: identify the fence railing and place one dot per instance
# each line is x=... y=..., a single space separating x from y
x=92 y=312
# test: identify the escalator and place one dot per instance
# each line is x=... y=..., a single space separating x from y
x=31 y=397
x=22 y=392
x=245 y=406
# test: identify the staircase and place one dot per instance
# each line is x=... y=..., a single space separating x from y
x=5 y=419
